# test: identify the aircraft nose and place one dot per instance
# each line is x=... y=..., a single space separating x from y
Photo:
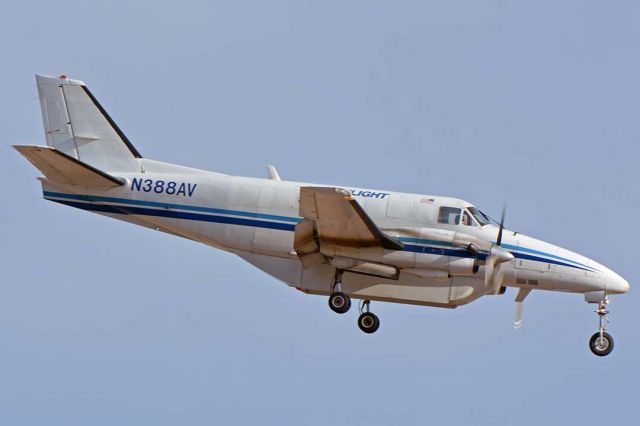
x=616 y=284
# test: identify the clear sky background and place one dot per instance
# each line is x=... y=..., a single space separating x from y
x=533 y=104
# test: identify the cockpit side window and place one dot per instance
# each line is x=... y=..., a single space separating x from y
x=479 y=216
x=466 y=219
x=449 y=216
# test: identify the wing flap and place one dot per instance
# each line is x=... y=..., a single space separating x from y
x=340 y=220
x=61 y=168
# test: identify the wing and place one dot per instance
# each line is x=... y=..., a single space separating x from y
x=339 y=220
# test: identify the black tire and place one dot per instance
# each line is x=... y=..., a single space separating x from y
x=368 y=322
x=339 y=302
x=601 y=347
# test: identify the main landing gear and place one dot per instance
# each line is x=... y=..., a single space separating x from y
x=601 y=343
x=367 y=321
x=340 y=303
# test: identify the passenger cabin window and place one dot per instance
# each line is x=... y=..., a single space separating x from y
x=449 y=216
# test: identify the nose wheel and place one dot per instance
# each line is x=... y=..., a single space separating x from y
x=601 y=343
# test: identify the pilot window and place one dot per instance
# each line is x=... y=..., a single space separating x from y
x=466 y=219
x=480 y=217
x=449 y=216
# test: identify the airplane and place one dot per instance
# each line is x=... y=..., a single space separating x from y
x=340 y=242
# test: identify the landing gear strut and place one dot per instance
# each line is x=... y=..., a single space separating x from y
x=367 y=321
x=601 y=343
x=338 y=301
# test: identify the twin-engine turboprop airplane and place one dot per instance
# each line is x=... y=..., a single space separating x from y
x=345 y=243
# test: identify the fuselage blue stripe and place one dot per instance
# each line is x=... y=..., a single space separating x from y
x=421 y=241
x=95 y=198
x=541 y=253
x=87 y=202
x=554 y=262
x=178 y=215
x=515 y=250
x=481 y=256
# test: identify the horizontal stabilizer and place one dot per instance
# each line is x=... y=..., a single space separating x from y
x=61 y=168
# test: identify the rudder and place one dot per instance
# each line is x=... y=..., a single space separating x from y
x=76 y=124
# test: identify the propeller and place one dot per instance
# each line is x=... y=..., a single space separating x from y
x=502 y=214
x=493 y=276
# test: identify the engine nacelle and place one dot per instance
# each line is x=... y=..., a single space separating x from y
x=463 y=266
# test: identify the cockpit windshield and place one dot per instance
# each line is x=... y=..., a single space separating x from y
x=479 y=216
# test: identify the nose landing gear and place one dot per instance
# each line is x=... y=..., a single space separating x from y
x=601 y=343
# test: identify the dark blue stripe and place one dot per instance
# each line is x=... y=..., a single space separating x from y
x=544 y=260
x=178 y=215
x=443 y=252
x=481 y=256
x=145 y=203
x=513 y=249
x=280 y=226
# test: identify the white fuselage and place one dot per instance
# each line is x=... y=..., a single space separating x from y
x=255 y=219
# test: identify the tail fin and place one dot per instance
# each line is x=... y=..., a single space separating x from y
x=77 y=125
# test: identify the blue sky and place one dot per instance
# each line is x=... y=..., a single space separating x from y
x=533 y=104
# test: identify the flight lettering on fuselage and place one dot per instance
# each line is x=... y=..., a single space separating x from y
x=368 y=194
x=163 y=187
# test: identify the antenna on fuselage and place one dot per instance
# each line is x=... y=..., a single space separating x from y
x=273 y=173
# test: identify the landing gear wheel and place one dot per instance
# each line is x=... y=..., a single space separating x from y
x=339 y=302
x=368 y=322
x=601 y=344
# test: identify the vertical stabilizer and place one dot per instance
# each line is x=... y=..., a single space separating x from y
x=77 y=125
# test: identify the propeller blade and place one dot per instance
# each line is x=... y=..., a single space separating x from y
x=493 y=273
x=493 y=276
x=498 y=277
x=499 y=239
x=517 y=321
x=489 y=268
